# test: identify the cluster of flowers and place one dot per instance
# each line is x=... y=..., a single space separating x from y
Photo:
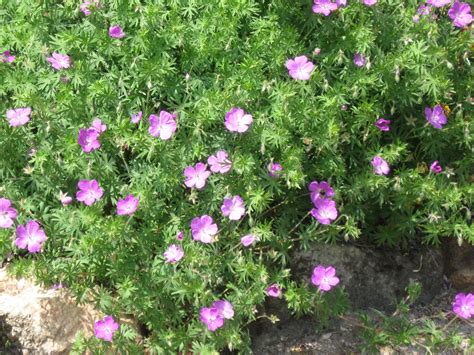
x=459 y=12
x=30 y=236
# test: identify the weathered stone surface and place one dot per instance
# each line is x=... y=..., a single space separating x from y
x=459 y=264
x=374 y=278
x=41 y=321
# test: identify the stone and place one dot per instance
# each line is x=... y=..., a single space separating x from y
x=38 y=320
x=459 y=264
x=373 y=278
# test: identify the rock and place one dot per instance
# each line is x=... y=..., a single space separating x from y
x=40 y=321
x=459 y=263
x=374 y=278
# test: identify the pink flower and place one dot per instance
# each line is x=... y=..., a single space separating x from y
x=59 y=61
x=233 y=207
x=275 y=170
x=383 y=124
x=30 y=236
x=6 y=57
x=324 y=277
x=196 y=176
x=65 y=199
x=300 y=68
x=116 y=32
x=225 y=308
x=461 y=14
x=236 y=120
x=463 y=305
x=436 y=117
x=203 y=229
x=173 y=254
x=369 y=2
x=380 y=166
x=87 y=5
x=438 y=3
x=320 y=190
x=324 y=7
x=127 y=206
x=98 y=126
x=89 y=191
x=7 y=213
x=247 y=240
x=88 y=139
x=164 y=126
x=136 y=118
x=18 y=116
x=341 y=3
x=325 y=210
x=212 y=318
x=220 y=162
x=180 y=235
x=104 y=329
x=359 y=60
x=435 y=167
x=273 y=290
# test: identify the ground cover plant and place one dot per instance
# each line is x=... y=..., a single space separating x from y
x=163 y=158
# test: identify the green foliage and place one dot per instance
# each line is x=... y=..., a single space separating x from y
x=199 y=58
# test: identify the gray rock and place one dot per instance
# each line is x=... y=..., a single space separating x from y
x=374 y=278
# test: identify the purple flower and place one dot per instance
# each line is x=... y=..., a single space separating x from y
x=116 y=32
x=359 y=60
x=436 y=117
x=88 y=139
x=180 y=235
x=275 y=169
x=203 y=229
x=220 y=162
x=324 y=277
x=424 y=10
x=463 y=305
x=320 y=190
x=164 y=126
x=89 y=191
x=369 y=2
x=18 y=116
x=127 y=206
x=325 y=210
x=196 y=176
x=98 y=126
x=87 y=5
x=236 y=120
x=104 y=329
x=324 y=7
x=438 y=3
x=59 y=61
x=212 y=318
x=435 y=167
x=247 y=240
x=380 y=166
x=7 y=213
x=416 y=18
x=383 y=124
x=137 y=117
x=300 y=68
x=341 y=3
x=225 y=308
x=273 y=290
x=233 y=207
x=173 y=254
x=65 y=199
x=461 y=14
x=6 y=57
x=30 y=236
